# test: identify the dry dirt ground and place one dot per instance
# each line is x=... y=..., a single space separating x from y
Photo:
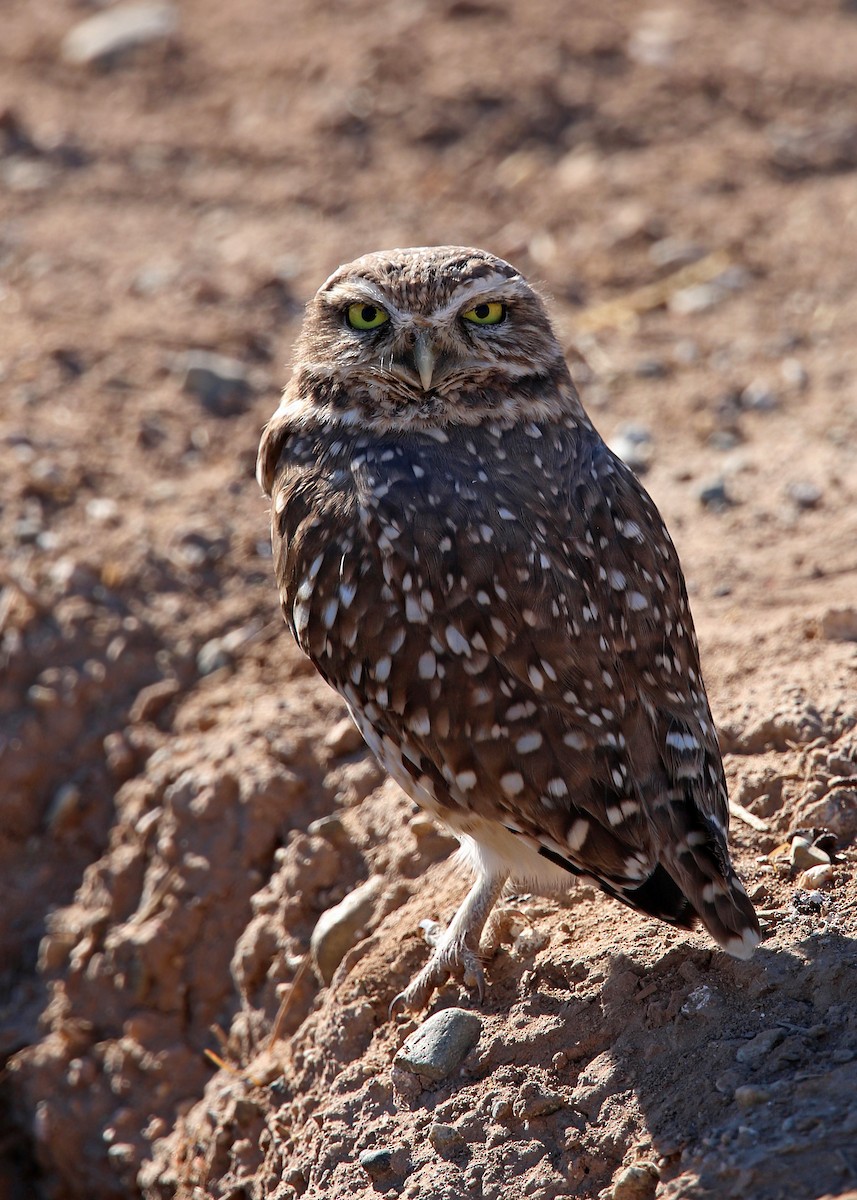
x=180 y=798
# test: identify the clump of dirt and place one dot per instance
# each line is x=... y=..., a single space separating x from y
x=209 y=893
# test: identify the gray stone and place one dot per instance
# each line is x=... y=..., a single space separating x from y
x=444 y=1138
x=758 y=397
x=435 y=1049
x=342 y=927
x=760 y=1045
x=714 y=495
x=794 y=373
x=377 y=1162
x=637 y=1182
x=344 y=738
x=104 y=37
x=535 y=1101
x=748 y=1095
x=212 y=656
x=218 y=382
x=634 y=445
x=805 y=494
x=839 y=625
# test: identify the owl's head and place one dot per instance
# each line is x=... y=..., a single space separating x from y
x=426 y=335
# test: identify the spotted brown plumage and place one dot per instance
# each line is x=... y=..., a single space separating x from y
x=496 y=597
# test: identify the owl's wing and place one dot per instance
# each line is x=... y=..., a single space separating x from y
x=557 y=688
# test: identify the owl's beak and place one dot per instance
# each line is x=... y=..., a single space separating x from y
x=425 y=357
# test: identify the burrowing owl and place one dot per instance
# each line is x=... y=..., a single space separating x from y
x=496 y=598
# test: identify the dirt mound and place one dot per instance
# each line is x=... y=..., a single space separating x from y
x=210 y=894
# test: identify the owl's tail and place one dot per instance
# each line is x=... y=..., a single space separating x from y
x=699 y=864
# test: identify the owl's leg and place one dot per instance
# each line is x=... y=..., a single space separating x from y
x=456 y=949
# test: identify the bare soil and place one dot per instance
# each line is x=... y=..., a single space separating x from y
x=180 y=799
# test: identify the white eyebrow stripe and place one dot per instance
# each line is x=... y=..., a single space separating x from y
x=489 y=288
x=357 y=291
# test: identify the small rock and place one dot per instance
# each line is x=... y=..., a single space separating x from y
x=211 y=657
x=686 y=351
x=330 y=828
x=634 y=445
x=651 y=368
x=758 y=397
x=500 y=1109
x=749 y=1095
x=342 y=927
x=805 y=494
x=65 y=810
x=839 y=625
x=104 y=37
x=697 y=1000
x=529 y=941
x=102 y=510
x=442 y=1042
x=675 y=252
x=153 y=699
x=815 y=877
x=218 y=382
x=376 y=1163
x=535 y=1101
x=637 y=1182
x=759 y=1046
x=727 y=1082
x=344 y=738
x=794 y=373
x=695 y=299
x=444 y=1138
x=804 y=855
x=714 y=495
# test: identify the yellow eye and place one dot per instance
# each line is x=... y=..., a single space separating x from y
x=489 y=313
x=366 y=316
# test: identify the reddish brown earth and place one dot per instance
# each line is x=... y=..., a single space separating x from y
x=179 y=799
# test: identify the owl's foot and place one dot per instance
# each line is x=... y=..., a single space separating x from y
x=456 y=950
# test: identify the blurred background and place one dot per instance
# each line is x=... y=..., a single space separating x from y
x=176 y=179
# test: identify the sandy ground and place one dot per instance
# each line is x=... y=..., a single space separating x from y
x=180 y=800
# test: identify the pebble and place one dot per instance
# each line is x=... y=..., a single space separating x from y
x=102 y=38
x=343 y=926
x=152 y=700
x=749 y=1095
x=759 y=1046
x=535 y=1101
x=794 y=373
x=714 y=495
x=637 y=1182
x=440 y=1044
x=815 y=877
x=696 y=299
x=675 y=252
x=65 y=810
x=212 y=656
x=651 y=368
x=330 y=828
x=634 y=445
x=839 y=625
x=805 y=494
x=376 y=1162
x=758 y=397
x=444 y=1138
x=803 y=855
x=219 y=383
x=344 y=738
